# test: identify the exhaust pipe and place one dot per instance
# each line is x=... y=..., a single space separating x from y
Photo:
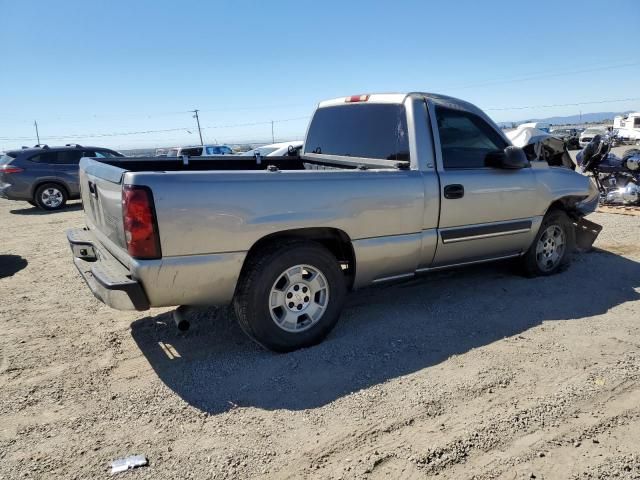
x=179 y=317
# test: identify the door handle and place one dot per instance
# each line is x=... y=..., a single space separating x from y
x=453 y=191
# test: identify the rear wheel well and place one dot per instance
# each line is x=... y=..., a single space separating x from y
x=333 y=239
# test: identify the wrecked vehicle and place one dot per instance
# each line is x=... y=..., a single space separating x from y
x=540 y=146
x=388 y=186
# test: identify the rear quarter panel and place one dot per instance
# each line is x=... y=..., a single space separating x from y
x=218 y=212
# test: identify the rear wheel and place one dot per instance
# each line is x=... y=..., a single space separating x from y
x=50 y=196
x=290 y=296
x=553 y=246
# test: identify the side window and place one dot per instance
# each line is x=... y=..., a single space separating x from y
x=71 y=157
x=465 y=138
x=88 y=153
x=102 y=154
x=636 y=122
x=50 y=158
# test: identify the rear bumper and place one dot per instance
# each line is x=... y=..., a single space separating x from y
x=106 y=277
x=10 y=192
x=208 y=279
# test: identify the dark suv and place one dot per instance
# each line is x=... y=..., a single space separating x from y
x=45 y=176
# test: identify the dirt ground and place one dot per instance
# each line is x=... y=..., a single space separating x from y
x=472 y=373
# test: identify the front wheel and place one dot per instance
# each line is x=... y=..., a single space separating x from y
x=290 y=295
x=553 y=246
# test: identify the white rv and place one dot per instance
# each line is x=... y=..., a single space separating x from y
x=628 y=126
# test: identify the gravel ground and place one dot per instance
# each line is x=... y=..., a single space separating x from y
x=472 y=373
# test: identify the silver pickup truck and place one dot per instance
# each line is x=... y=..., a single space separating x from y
x=388 y=186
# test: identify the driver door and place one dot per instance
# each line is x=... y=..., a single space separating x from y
x=486 y=213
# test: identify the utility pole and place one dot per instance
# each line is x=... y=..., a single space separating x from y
x=198 y=121
x=37 y=133
x=273 y=140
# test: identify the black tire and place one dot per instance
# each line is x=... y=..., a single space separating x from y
x=530 y=261
x=251 y=301
x=51 y=191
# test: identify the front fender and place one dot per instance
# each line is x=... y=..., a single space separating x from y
x=574 y=190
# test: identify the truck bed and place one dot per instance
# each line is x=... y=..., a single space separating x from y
x=241 y=163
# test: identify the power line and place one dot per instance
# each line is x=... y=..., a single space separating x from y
x=537 y=76
x=563 y=104
x=251 y=124
x=162 y=114
x=145 y=132
x=271 y=122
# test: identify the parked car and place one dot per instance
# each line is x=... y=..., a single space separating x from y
x=199 y=151
x=277 y=149
x=570 y=136
x=45 y=176
x=389 y=186
x=587 y=135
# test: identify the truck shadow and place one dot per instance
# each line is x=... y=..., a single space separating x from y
x=384 y=332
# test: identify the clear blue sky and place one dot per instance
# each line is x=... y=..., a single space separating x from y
x=82 y=67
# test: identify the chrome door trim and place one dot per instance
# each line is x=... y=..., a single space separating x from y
x=486 y=235
x=474 y=232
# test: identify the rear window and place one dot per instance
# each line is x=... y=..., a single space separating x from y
x=361 y=130
x=218 y=151
x=191 y=152
x=7 y=157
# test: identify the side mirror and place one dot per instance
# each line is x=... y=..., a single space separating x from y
x=511 y=158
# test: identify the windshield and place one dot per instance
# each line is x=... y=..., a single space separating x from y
x=218 y=150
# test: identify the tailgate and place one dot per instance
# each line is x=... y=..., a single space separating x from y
x=101 y=187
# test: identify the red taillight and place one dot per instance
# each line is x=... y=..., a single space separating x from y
x=10 y=169
x=140 y=228
x=356 y=98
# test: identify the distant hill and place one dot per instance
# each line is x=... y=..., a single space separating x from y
x=571 y=119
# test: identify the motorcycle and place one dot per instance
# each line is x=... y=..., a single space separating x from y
x=617 y=179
